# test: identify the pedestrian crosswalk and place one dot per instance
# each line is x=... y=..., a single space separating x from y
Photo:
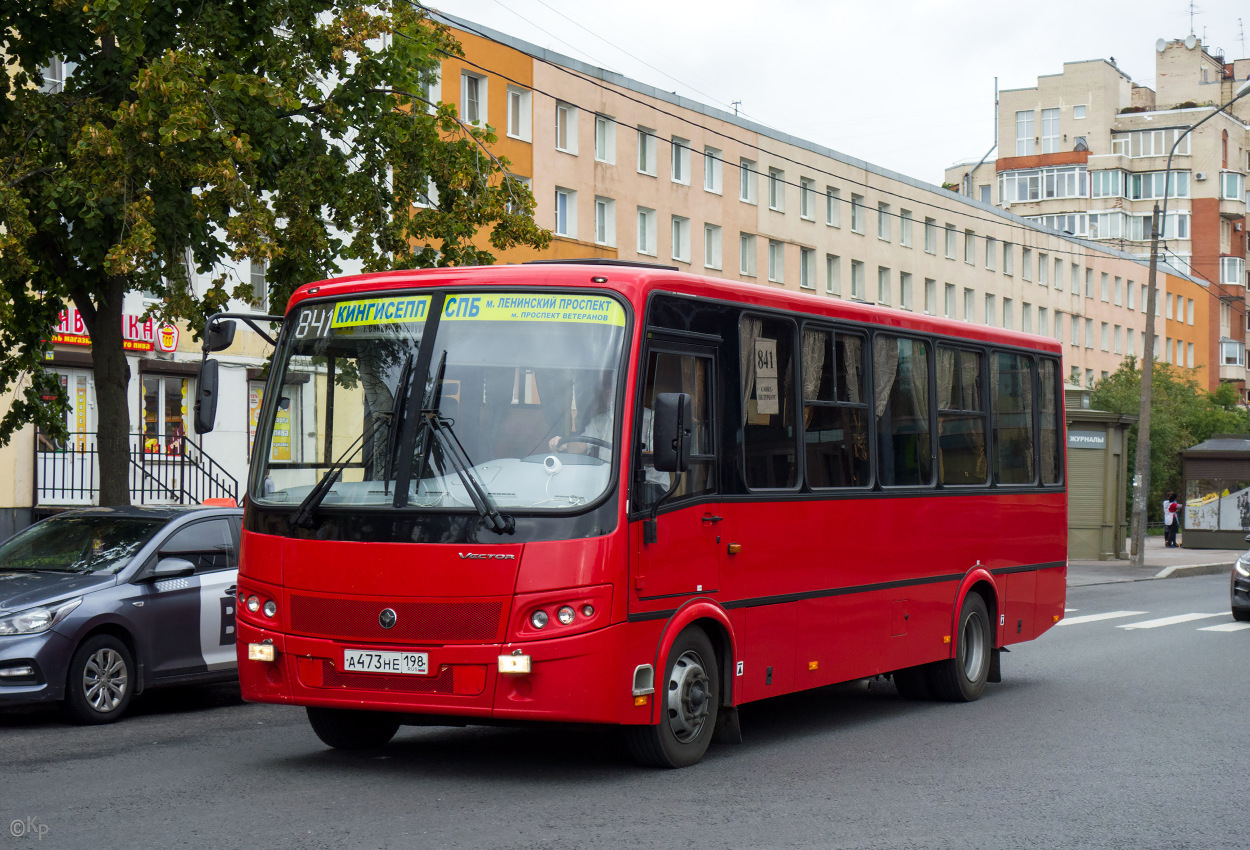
x=1153 y=623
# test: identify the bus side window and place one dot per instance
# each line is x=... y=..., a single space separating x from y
x=1011 y=382
x=900 y=369
x=671 y=372
x=766 y=355
x=1052 y=457
x=835 y=411
x=962 y=456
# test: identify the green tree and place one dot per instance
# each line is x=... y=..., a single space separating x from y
x=1183 y=414
x=288 y=131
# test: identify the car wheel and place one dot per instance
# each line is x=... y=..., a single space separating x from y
x=347 y=729
x=962 y=678
x=100 y=682
x=689 y=699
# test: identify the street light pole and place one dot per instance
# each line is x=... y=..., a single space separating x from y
x=1141 y=476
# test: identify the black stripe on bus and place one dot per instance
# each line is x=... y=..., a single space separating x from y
x=780 y=599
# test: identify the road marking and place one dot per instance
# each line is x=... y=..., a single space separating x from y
x=1093 y=618
x=1169 y=621
x=1066 y=610
x=1225 y=627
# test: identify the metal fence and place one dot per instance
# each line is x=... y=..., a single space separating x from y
x=68 y=474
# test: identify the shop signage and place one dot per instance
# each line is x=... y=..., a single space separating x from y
x=138 y=333
x=1087 y=439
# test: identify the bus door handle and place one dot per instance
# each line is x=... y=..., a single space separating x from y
x=709 y=519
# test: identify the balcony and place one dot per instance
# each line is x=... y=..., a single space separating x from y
x=1232 y=194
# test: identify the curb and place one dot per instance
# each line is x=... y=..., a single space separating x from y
x=1185 y=570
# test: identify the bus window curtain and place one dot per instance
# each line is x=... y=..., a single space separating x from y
x=945 y=377
x=884 y=370
x=749 y=331
x=815 y=361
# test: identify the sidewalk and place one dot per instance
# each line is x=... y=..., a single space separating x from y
x=1159 y=563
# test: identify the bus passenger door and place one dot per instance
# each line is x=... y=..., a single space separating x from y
x=691 y=537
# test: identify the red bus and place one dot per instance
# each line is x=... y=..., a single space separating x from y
x=611 y=493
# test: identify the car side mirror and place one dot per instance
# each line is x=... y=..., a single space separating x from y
x=172 y=568
x=206 y=397
x=220 y=335
x=672 y=423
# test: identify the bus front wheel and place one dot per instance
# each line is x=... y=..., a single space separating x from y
x=347 y=729
x=962 y=678
x=688 y=699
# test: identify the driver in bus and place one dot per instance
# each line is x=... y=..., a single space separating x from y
x=598 y=419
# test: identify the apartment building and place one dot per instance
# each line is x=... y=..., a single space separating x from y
x=1085 y=152
x=624 y=170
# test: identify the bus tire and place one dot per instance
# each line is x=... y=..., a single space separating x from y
x=348 y=729
x=688 y=699
x=962 y=678
x=913 y=682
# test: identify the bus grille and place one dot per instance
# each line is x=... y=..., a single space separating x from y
x=416 y=622
x=443 y=683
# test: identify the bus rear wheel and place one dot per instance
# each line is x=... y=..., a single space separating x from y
x=962 y=678
x=347 y=729
x=688 y=699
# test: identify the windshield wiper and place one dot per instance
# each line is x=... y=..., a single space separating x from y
x=398 y=406
x=440 y=428
x=303 y=515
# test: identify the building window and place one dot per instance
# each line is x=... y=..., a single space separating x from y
x=833 y=274
x=711 y=246
x=1168 y=298
x=519 y=113
x=930 y=236
x=1189 y=310
x=646 y=151
x=883 y=285
x=833 y=206
x=1043 y=324
x=776 y=261
x=904 y=228
x=991 y=307
x=948 y=304
x=1106 y=184
x=990 y=245
x=566 y=212
x=970 y=247
x=1008 y=318
x=681 y=160
x=712 y=170
x=746 y=181
x=1026 y=263
x=1043 y=263
x=1189 y=355
x=883 y=221
x=646 y=231
x=566 y=128
x=858 y=284
x=53 y=76
x=1139 y=143
x=605 y=139
x=1078 y=111
x=970 y=305
x=1008 y=259
x=776 y=190
x=1118 y=292
x=807 y=268
x=681 y=238
x=1024 y=133
x=1059 y=274
x=950 y=241
x=857 y=213
x=1076 y=331
x=260 y=289
x=1131 y=289
x=1026 y=317
x=1050 y=131
x=1037 y=184
x=930 y=297
x=605 y=221
x=1118 y=337
x=1089 y=333
x=1106 y=287
x=807 y=199
x=472 y=98
x=1059 y=325
x=746 y=255
x=904 y=290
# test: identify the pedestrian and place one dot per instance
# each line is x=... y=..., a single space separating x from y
x=1175 y=510
x=1169 y=520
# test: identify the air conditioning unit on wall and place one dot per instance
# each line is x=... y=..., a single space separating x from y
x=1200 y=175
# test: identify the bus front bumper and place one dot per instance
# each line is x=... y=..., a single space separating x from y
x=579 y=679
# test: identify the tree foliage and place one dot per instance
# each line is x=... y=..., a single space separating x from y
x=1182 y=414
x=199 y=135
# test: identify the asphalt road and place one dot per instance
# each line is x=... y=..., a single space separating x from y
x=1099 y=736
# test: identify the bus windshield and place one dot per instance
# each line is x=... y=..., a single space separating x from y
x=521 y=389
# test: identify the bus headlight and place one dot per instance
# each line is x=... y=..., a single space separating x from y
x=271 y=608
x=565 y=615
x=538 y=619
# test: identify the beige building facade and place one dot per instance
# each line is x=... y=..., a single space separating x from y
x=1086 y=151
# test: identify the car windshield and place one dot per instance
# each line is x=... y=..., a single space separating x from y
x=525 y=384
x=76 y=543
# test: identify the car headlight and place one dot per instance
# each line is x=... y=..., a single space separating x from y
x=32 y=621
x=1242 y=567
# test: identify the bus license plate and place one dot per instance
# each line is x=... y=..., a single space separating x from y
x=402 y=663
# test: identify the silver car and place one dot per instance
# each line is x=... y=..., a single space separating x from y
x=98 y=604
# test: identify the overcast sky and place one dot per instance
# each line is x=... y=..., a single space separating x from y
x=905 y=84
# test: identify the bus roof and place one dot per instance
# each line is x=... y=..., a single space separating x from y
x=637 y=282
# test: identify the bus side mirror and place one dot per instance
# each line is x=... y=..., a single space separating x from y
x=672 y=425
x=206 y=397
x=220 y=335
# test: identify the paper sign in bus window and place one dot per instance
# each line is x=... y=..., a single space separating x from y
x=766 y=399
